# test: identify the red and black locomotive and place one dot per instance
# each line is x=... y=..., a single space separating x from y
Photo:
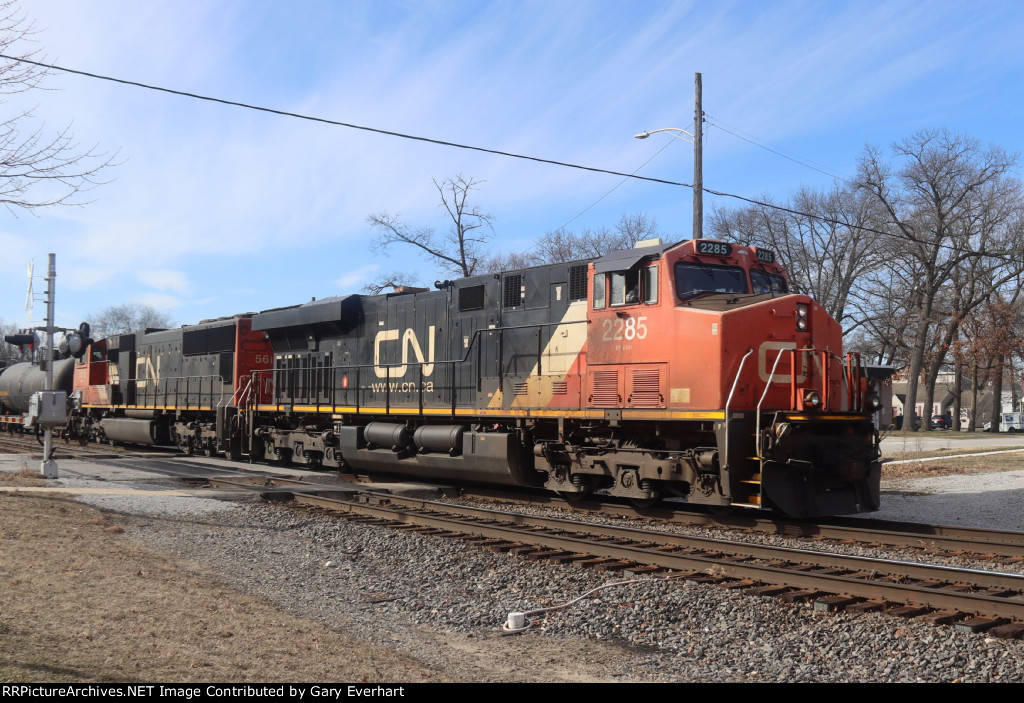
x=685 y=370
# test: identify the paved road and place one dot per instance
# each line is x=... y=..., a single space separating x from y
x=943 y=439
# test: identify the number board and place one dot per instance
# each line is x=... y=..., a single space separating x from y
x=713 y=248
x=766 y=255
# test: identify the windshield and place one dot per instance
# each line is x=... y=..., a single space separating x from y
x=768 y=282
x=692 y=279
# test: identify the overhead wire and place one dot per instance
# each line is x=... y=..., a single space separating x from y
x=498 y=152
x=778 y=152
x=618 y=185
x=338 y=123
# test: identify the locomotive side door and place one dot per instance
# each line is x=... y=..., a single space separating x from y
x=409 y=346
x=473 y=346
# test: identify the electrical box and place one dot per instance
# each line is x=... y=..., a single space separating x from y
x=47 y=409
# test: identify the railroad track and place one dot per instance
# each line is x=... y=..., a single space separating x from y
x=932 y=540
x=929 y=540
x=28 y=444
x=972 y=600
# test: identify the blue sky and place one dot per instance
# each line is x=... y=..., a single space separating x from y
x=217 y=210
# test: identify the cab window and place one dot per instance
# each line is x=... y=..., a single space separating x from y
x=692 y=279
x=764 y=282
x=649 y=281
x=632 y=287
x=599 y=291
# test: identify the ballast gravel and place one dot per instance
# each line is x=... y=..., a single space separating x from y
x=445 y=602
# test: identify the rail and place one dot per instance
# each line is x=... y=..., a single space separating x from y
x=169 y=392
x=241 y=392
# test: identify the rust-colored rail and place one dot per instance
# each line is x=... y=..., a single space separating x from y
x=966 y=591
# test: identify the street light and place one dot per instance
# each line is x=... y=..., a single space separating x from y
x=698 y=156
x=644 y=135
x=698 y=180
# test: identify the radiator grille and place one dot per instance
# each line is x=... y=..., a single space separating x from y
x=606 y=389
x=512 y=293
x=577 y=283
x=646 y=388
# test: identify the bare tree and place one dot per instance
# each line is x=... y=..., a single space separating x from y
x=949 y=203
x=9 y=353
x=38 y=169
x=564 y=245
x=460 y=249
x=509 y=262
x=389 y=281
x=838 y=227
x=129 y=317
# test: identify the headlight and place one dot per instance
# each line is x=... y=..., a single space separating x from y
x=873 y=397
x=801 y=317
x=812 y=399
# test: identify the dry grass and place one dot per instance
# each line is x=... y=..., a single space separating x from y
x=949 y=435
x=82 y=603
x=932 y=462
x=24 y=476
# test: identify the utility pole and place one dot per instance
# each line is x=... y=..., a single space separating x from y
x=698 y=155
x=698 y=160
x=49 y=466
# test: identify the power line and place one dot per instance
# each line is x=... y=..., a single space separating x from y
x=716 y=123
x=618 y=185
x=338 y=123
x=898 y=235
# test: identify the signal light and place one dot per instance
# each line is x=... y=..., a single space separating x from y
x=25 y=342
x=21 y=340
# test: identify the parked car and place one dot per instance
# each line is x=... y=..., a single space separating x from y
x=941 y=422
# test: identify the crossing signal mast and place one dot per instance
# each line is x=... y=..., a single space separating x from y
x=29 y=298
x=48 y=408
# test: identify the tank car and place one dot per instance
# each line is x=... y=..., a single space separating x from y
x=18 y=382
x=683 y=370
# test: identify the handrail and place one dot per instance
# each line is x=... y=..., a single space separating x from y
x=728 y=401
x=239 y=392
x=151 y=389
x=768 y=385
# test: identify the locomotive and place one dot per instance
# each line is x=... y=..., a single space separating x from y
x=683 y=370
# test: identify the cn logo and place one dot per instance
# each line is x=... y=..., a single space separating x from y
x=409 y=343
x=768 y=360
